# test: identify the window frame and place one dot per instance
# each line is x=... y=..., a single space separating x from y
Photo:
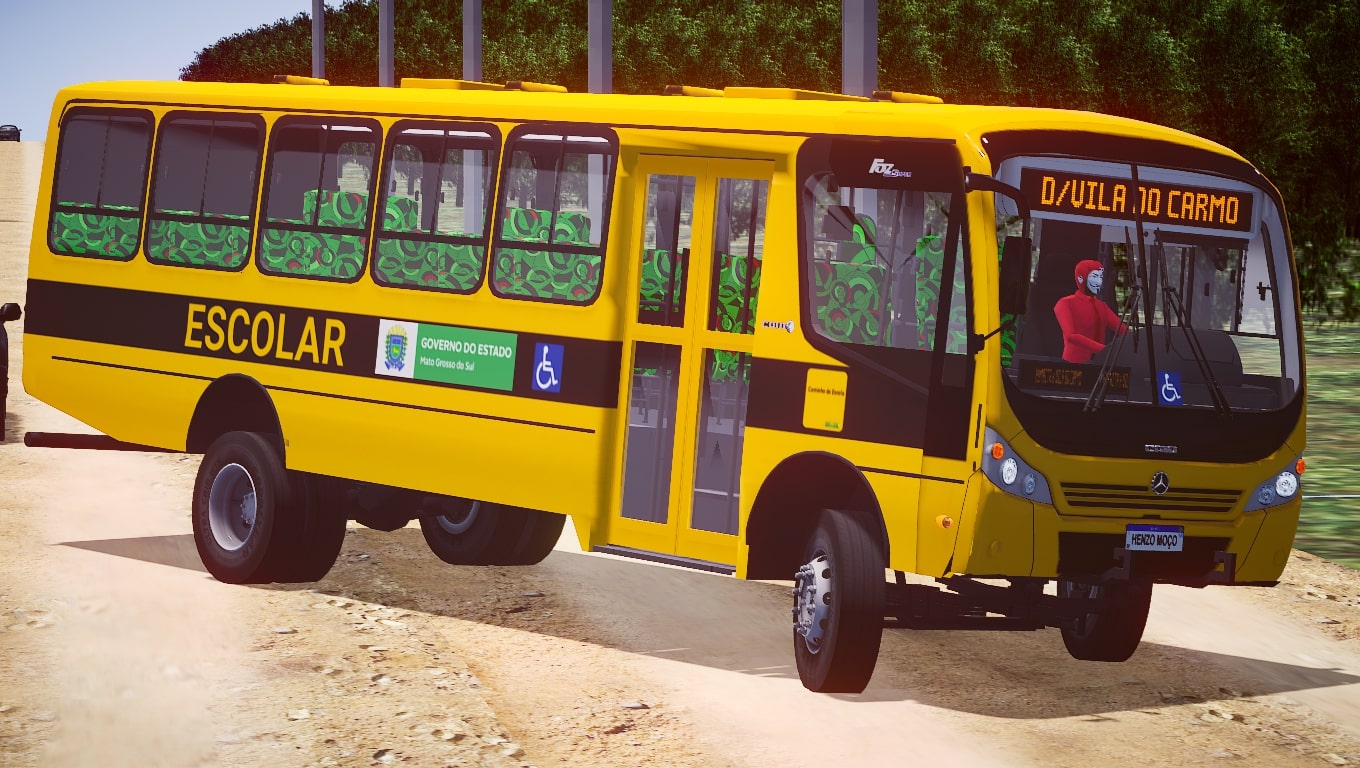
x=365 y=233
x=391 y=140
x=498 y=239
x=55 y=206
x=253 y=209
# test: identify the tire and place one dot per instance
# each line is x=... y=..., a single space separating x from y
x=839 y=598
x=467 y=532
x=1113 y=633
x=245 y=519
x=540 y=535
x=323 y=530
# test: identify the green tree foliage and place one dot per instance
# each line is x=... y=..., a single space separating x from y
x=1276 y=80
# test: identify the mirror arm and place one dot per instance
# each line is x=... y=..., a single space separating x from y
x=980 y=182
x=976 y=341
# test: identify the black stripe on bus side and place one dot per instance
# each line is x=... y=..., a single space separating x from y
x=341 y=342
x=296 y=391
x=877 y=409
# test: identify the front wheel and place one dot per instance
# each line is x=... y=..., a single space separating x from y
x=246 y=523
x=1113 y=632
x=838 y=604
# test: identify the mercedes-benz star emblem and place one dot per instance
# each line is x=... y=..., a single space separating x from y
x=1160 y=483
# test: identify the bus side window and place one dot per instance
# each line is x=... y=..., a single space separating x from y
x=203 y=190
x=434 y=210
x=317 y=202
x=102 y=159
x=554 y=204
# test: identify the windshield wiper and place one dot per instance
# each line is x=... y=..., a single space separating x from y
x=1128 y=318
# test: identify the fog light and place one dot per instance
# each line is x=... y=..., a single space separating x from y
x=1266 y=496
x=1029 y=484
x=1286 y=484
x=1009 y=471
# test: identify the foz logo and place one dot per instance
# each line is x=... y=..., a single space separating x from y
x=886 y=169
x=787 y=325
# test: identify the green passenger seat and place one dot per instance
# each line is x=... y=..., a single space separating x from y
x=659 y=266
x=849 y=301
x=453 y=267
x=930 y=258
x=571 y=277
x=526 y=225
x=403 y=261
x=738 y=279
x=219 y=244
x=401 y=214
x=111 y=236
x=320 y=254
x=572 y=227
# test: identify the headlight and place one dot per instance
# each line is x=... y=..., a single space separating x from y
x=1009 y=471
x=1004 y=468
x=1278 y=489
x=1286 y=485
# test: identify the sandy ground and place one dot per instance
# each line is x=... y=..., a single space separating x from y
x=118 y=649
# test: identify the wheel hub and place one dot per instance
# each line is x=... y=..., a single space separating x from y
x=231 y=507
x=460 y=518
x=812 y=601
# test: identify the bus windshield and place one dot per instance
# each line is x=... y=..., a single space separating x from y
x=1152 y=286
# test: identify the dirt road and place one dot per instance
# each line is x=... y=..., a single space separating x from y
x=118 y=649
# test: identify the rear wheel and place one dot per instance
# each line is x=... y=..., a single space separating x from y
x=323 y=529
x=536 y=541
x=245 y=519
x=467 y=532
x=838 y=604
x=1114 y=631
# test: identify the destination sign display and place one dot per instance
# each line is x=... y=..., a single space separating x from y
x=1157 y=202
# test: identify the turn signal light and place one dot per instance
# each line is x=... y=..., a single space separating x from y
x=998 y=450
x=1300 y=465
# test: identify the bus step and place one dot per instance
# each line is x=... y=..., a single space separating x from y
x=661 y=557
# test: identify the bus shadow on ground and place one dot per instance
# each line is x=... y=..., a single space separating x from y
x=743 y=627
x=177 y=551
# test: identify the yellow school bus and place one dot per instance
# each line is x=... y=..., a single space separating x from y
x=776 y=333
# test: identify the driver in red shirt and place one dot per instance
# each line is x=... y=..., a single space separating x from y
x=1085 y=319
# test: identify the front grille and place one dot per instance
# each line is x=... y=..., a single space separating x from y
x=1091 y=497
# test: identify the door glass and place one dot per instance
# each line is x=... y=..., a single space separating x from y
x=665 y=247
x=722 y=427
x=650 y=444
x=739 y=239
x=738 y=245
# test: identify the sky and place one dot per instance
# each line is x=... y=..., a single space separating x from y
x=46 y=45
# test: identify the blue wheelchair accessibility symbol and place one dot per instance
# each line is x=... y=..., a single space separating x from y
x=1169 y=388
x=548 y=367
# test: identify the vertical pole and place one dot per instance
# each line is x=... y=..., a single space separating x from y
x=859 y=71
x=600 y=79
x=473 y=171
x=599 y=23
x=472 y=39
x=385 y=79
x=319 y=38
x=859 y=47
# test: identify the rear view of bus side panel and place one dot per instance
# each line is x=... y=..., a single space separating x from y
x=83 y=334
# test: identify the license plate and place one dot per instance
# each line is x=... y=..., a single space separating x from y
x=1154 y=538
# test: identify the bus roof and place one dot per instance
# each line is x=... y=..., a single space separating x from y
x=783 y=116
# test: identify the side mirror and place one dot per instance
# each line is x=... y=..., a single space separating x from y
x=10 y=311
x=1016 y=258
